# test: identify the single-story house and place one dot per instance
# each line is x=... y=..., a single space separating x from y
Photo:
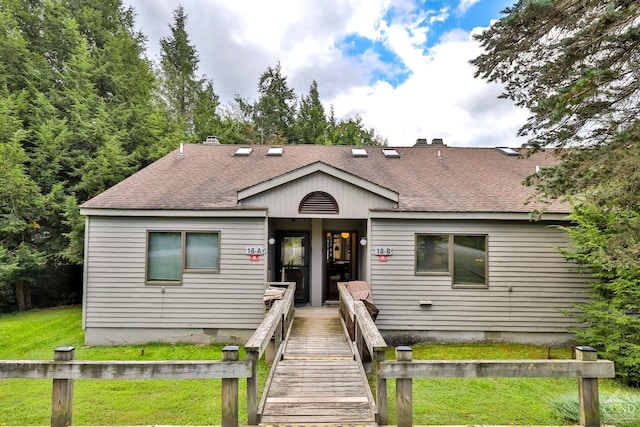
x=181 y=250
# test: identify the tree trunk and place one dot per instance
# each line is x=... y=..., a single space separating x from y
x=23 y=296
x=27 y=296
x=20 y=296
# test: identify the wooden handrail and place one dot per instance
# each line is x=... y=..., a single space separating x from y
x=347 y=310
x=63 y=370
x=123 y=370
x=497 y=369
x=261 y=338
x=365 y=335
x=369 y=331
x=275 y=323
x=587 y=369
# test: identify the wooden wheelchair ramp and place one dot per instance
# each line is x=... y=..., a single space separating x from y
x=318 y=381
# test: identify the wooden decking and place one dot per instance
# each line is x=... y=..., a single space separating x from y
x=318 y=381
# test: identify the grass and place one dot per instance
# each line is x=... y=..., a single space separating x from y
x=34 y=335
x=621 y=409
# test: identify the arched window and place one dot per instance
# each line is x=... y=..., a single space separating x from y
x=318 y=202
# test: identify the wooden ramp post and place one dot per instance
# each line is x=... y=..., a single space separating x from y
x=404 y=390
x=588 y=400
x=62 y=392
x=230 y=390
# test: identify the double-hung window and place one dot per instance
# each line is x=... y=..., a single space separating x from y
x=171 y=253
x=463 y=257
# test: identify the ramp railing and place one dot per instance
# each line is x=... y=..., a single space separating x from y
x=268 y=338
x=369 y=344
x=63 y=370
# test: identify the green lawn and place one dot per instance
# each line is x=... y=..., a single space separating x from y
x=34 y=335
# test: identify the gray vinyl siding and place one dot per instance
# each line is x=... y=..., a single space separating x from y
x=353 y=201
x=117 y=296
x=522 y=256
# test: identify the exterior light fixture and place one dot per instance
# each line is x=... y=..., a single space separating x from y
x=345 y=234
x=272 y=241
x=363 y=241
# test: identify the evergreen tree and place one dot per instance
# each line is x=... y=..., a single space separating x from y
x=352 y=131
x=574 y=65
x=311 y=123
x=21 y=209
x=190 y=100
x=79 y=96
x=274 y=112
x=206 y=119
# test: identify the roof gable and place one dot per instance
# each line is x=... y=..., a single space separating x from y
x=310 y=169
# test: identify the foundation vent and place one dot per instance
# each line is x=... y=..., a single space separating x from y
x=493 y=336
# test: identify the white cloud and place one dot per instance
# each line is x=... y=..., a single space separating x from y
x=465 y=5
x=237 y=41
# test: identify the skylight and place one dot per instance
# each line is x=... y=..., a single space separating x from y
x=243 y=151
x=359 y=152
x=275 y=151
x=390 y=153
x=508 y=151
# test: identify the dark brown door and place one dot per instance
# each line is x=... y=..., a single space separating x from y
x=340 y=261
x=292 y=262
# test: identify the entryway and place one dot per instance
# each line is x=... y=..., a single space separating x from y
x=292 y=262
x=316 y=254
x=341 y=261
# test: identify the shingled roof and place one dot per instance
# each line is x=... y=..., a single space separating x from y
x=431 y=178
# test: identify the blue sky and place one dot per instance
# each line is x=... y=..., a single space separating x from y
x=402 y=65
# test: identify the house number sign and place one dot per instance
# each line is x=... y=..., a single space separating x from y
x=383 y=251
x=254 y=250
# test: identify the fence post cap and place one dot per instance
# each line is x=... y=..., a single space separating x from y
x=64 y=349
x=586 y=349
x=231 y=348
x=403 y=348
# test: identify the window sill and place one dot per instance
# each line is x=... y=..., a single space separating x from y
x=163 y=283
x=469 y=286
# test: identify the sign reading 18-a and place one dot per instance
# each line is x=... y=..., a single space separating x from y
x=254 y=250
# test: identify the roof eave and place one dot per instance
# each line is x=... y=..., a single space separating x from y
x=440 y=215
x=193 y=213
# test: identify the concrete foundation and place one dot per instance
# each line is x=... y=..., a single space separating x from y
x=135 y=336
x=395 y=338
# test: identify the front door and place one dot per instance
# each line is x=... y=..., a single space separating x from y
x=340 y=261
x=292 y=262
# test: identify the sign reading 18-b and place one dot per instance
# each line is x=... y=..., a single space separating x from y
x=382 y=251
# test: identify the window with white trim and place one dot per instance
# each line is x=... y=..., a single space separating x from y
x=463 y=257
x=171 y=253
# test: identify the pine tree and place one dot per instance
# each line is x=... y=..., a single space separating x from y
x=311 y=122
x=190 y=100
x=21 y=208
x=80 y=95
x=574 y=65
x=274 y=112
